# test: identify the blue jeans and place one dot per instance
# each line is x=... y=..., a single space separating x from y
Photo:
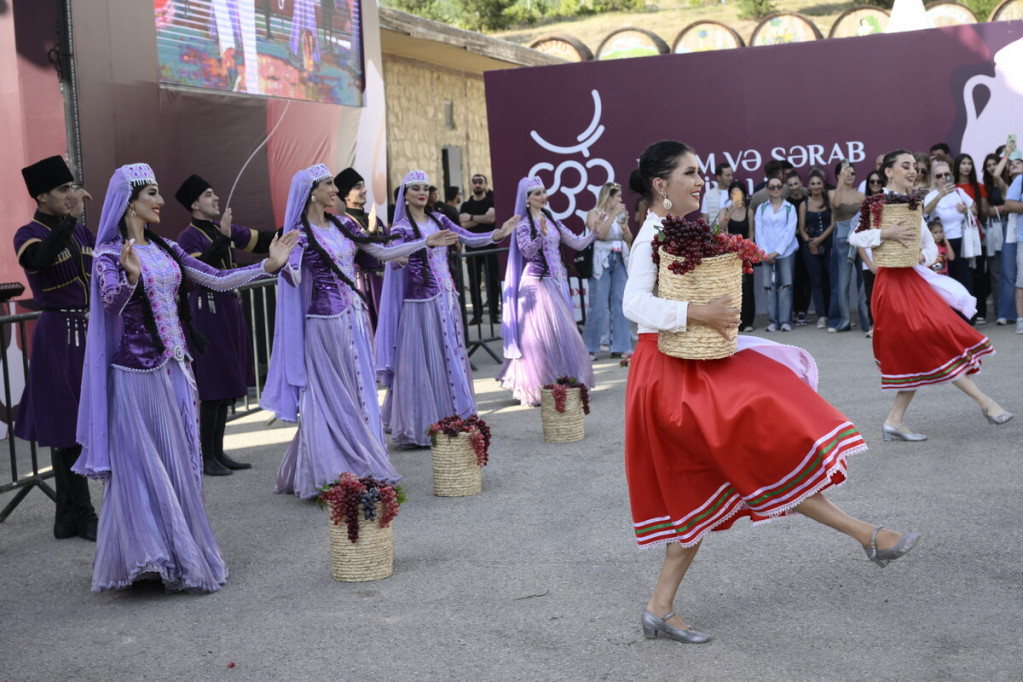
x=1007 y=283
x=843 y=274
x=819 y=267
x=606 y=293
x=779 y=291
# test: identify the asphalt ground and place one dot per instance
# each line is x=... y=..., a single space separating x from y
x=539 y=578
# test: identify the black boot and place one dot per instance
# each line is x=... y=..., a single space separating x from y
x=64 y=524
x=81 y=501
x=208 y=411
x=218 y=440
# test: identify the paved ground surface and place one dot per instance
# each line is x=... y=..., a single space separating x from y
x=538 y=578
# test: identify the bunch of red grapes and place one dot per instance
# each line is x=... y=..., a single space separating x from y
x=478 y=430
x=694 y=240
x=348 y=497
x=873 y=206
x=559 y=390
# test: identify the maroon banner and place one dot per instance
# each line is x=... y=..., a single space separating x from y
x=578 y=126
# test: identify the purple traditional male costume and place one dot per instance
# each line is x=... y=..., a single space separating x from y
x=56 y=253
x=370 y=270
x=420 y=349
x=137 y=419
x=224 y=371
x=541 y=339
x=322 y=361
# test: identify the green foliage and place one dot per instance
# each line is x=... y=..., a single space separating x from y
x=485 y=15
x=982 y=8
x=618 y=5
x=428 y=9
x=755 y=9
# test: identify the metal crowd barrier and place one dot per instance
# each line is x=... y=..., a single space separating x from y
x=14 y=327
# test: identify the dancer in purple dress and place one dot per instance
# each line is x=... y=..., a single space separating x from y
x=420 y=349
x=224 y=372
x=322 y=362
x=541 y=339
x=137 y=418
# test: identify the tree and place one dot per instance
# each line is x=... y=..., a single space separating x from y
x=485 y=15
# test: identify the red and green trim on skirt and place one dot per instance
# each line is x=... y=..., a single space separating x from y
x=968 y=362
x=824 y=466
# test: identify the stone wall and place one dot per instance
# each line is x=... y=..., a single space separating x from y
x=416 y=131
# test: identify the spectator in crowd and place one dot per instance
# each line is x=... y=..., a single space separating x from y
x=877 y=167
x=845 y=207
x=1014 y=206
x=923 y=171
x=607 y=283
x=452 y=200
x=965 y=173
x=995 y=173
x=736 y=217
x=477 y=215
x=941 y=150
x=945 y=251
x=796 y=195
x=716 y=198
x=864 y=256
x=774 y=227
x=816 y=228
x=951 y=205
x=773 y=170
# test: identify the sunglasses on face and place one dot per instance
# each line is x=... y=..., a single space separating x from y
x=774 y=187
x=478 y=181
x=875 y=181
x=939 y=176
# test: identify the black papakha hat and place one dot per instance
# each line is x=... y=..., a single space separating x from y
x=346 y=180
x=45 y=175
x=190 y=190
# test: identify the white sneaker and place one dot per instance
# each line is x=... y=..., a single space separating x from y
x=1019 y=326
x=786 y=327
x=822 y=322
x=773 y=328
x=1001 y=322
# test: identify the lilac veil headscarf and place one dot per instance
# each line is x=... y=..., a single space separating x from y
x=393 y=294
x=513 y=274
x=286 y=378
x=105 y=328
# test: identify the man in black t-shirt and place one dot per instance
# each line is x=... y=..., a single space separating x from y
x=477 y=215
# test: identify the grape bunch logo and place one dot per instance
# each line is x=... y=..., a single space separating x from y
x=572 y=176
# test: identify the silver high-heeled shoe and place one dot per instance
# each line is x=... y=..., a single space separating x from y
x=653 y=626
x=1000 y=419
x=891 y=433
x=883 y=557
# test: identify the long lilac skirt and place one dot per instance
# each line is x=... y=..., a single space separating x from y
x=432 y=376
x=339 y=423
x=549 y=340
x=153 y=523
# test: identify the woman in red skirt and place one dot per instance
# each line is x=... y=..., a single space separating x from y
x=918 y=339
x=690 y=469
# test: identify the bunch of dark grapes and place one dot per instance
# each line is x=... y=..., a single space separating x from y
x=690 y=240
x=873 y=206
x=560 y=393
x=389 y=502
x=480 y=437
x=349 y=497
x=369 y=501
x=559 y=390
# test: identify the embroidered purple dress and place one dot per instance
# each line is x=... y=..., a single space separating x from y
x=322 y=363
x=423 y=363
x=541 y=339
x=49 y=406
x=225 y=370
x=153 y=521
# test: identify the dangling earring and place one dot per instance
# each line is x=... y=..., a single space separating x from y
x=313 y=198
x=132 y=208
x=665 y=202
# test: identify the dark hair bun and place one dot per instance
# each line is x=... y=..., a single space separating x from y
x=636 y=183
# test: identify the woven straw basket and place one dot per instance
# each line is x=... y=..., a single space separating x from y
x=455 y=472
x=714 y=277
x=562 y=427
x=371 y=557
x=892 y=254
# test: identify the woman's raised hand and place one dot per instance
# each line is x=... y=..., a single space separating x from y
x=280 y=249
x=441 y=238
x=130 y=261
x=720 y=315
x=901 y=232
x=506 y=228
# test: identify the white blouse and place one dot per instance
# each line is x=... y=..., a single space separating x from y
x=951 y=218
x=640 y=304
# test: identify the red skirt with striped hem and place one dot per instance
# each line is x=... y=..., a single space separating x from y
x=918 y=339
x=710 y=441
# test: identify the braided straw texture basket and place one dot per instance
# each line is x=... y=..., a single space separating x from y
x=455 y=472
x=371 y=557
x=562 y=427
x=892 y=254
x=714 y=277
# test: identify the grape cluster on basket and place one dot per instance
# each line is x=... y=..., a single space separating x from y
x=873 y=206
x=478 y=430
x=349 y=496
x=694 y=240
x=559 y=390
